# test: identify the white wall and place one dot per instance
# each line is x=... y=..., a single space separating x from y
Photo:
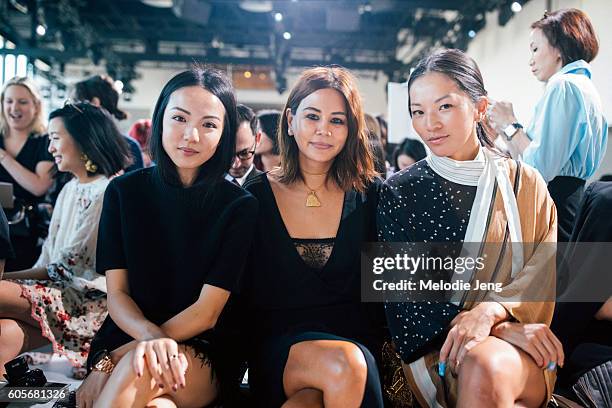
x=152 y=80
x=503 y=54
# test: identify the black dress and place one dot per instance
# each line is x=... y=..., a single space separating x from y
x=587 y=342
x=419 y=205
x=6 y=249
x=298 y=290
x=173 y=241
x=25 y=240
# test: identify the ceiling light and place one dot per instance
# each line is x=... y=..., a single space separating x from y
x=158 y=3
x=287 y=35
x=278 y=17
x=471 y=33
x=41 y=30
x=256 y=6
x=247 y=74
x=516 y=7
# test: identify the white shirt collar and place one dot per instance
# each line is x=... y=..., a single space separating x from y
x=242 y=179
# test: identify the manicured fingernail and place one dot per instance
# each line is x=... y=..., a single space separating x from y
x=139 y=374
x=441 y=368
x=551 y=366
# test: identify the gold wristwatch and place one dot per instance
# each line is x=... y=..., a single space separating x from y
x=104 y=364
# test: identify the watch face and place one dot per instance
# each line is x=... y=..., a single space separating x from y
x=510 y=130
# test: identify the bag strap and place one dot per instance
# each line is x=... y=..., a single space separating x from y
x=517 y=177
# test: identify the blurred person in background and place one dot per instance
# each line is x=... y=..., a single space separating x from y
x=268 y=156
x=380 y=162
x=141 y=132
x=407 y=153
x=248 y=137
x=100 y=91
x=26 y=163
x=566 y=140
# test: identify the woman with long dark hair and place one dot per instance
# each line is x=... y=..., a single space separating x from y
x=172 y=244
x=487 y=348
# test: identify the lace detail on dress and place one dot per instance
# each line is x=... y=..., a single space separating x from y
x=314 y=252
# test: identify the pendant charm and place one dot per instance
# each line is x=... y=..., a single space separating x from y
x=312 y=200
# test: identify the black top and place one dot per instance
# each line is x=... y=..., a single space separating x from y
x=286 y=295
x=6 y=250
x=419 y=205
x=172 y=240
x=33 y=151
x=574 y=322
x=252 y=175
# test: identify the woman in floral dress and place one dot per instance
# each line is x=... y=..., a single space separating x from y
x=62 y=299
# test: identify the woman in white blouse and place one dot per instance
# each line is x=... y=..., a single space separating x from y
x=62 y=299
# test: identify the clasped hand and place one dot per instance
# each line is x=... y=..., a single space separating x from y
x=162 y=358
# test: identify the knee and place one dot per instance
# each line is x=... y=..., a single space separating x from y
x=488 y=370
x=346 y=367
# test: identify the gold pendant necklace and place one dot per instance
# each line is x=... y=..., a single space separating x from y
x=311 y=198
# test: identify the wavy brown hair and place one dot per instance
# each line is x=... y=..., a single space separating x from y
x=353 y=167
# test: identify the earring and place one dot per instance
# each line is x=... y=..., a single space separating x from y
x=89 y=165
x=289 y=131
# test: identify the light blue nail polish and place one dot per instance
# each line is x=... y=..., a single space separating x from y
x=551 y=366
x=441 y=368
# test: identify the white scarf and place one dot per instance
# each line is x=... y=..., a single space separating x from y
x=482 y=172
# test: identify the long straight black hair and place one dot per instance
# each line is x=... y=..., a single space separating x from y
x=463 y=70
x=218 y=84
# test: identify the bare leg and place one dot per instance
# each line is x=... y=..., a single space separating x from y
x=19 y=332
x=124 y=388
x=336 y=368
x=306 y=398
x=162 y=402
x=497 y=374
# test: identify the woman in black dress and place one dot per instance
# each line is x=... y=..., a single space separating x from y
x=172 y=243
x=313 y=340
x=24 y=162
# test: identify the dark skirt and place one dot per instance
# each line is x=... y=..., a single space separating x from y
x=567 y=194
x=266 y=369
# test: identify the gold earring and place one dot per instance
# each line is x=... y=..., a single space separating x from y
x=89 y=165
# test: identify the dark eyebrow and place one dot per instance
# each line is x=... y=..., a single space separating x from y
x=436 y=101
x=181 y=109
x=319 y=111
x=442 y=97
x=189 y=113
